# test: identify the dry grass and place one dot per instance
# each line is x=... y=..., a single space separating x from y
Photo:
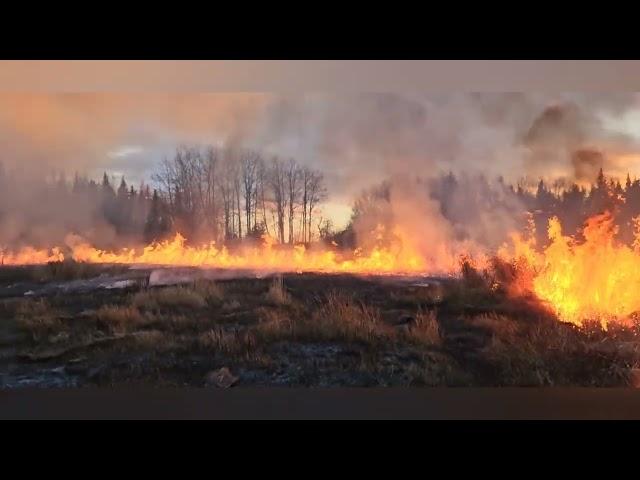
x=553 y=353
x=277 y=293
x=37 y=317
x=342 y=316
x=338 y=317
x=275 y=325
x=496 y=324
x=425 y=330
x=169 y=298
x=72 y=270
x=227 y=342
x=324 y=339
x=120 y=319
x=212 y=292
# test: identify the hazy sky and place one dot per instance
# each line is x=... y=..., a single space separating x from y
x=355 y=138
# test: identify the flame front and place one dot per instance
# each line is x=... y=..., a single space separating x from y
x=400 y=258
x=595 y=278
x=30 y=256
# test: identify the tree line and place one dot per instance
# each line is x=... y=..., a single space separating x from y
x=211 y=193
x=230 y=194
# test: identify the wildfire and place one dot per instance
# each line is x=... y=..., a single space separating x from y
x=30 y=256
x=399 y=258
x=592 y=279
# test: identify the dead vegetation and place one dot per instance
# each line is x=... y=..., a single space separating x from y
x=169 y=298
x=320 y=330
x=277 y=293
x=121 y=318
x=38 y=318
x=336 y=317
x=425 y=329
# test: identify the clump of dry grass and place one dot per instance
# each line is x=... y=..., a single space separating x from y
x=274 y=325
x=338 y=317
x=121 y=318
x=425 y=329
x=277 y=293
x=37 y=317
x=227 y=342
x=170 y=297
x=343 y=316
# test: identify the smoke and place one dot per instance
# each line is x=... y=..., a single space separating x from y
x=568 y=139
x=587 y=163
x=440 y=218
x=85 y=131
x=363 y=138
x=39 y=212
x=356 y=139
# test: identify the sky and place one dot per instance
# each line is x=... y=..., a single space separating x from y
x=355 y=138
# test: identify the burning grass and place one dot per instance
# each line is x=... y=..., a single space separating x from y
x=589 y=276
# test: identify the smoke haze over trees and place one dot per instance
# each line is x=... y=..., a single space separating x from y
x=205 y=194
x=229 y=195
x=256 y=177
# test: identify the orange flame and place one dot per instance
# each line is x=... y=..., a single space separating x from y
x=402 y=257
x=30 y=256
x=594 y=279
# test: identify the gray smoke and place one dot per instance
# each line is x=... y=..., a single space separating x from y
x=356 y=139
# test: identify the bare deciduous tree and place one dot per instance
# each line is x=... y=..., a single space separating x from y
x=293 y=193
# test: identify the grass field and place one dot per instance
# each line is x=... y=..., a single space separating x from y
x=298 y=330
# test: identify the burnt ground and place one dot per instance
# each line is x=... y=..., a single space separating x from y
x=85 y=325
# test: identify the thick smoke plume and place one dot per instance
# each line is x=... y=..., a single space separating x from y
x=356 y=140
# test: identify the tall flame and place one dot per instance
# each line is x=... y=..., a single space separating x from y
x=592 y=279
